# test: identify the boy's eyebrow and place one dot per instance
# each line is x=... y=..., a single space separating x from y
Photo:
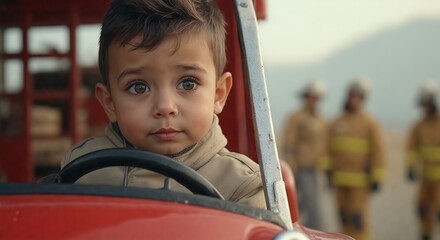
x=187 y=67
x=129 y=71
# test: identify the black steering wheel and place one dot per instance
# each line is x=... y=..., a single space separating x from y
x=120 y=157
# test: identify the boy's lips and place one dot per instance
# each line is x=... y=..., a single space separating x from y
x=166 y=133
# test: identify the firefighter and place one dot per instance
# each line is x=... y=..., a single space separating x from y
x=356 y=160
x=423 y=153
x=303 y=147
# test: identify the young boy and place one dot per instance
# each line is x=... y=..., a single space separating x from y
x=163 y=85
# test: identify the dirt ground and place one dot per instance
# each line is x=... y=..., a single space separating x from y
x=393 y=214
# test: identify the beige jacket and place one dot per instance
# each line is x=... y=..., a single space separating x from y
x=304 y=140
x=234 y=175
x=356 y=150
x=423 y=147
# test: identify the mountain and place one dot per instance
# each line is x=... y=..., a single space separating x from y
x=396 y=61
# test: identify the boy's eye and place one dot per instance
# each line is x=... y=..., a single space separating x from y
x=138 y=88
x=188 y=84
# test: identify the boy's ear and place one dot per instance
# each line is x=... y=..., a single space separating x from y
x=224 y=85
x=105 y=98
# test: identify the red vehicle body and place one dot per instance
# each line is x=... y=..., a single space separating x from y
x=30 y=210
x=103 y=217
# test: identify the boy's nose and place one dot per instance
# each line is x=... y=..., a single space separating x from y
x=165 y=107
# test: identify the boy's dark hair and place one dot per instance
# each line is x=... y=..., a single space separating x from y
x=154 y=20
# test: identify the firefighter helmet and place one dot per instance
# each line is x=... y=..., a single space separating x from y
x=360 y=85
x=315 y=88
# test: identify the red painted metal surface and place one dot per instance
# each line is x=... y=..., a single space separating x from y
x=11 y=161
x=321 y=235
x=289 y=181
x=260 y=8
x=25 y=14
x=74 y=74
x=94 y=217
x=233 y=118
x=51 y=12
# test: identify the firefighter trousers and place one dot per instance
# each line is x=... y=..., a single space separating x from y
x=429 y=206
x=306 y=181
x=353 y=206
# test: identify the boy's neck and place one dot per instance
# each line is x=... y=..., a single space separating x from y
x=174 y=155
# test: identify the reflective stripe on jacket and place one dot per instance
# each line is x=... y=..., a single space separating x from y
x=429 y=153
x=350 y=144
x=350 y=179
x=356 y=150
x=431 y=173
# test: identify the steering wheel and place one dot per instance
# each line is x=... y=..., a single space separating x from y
x=121 y=157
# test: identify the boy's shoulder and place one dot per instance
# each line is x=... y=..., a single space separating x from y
x=236 y=176
x=109 y=140
x=231 y=168
x=240 y=159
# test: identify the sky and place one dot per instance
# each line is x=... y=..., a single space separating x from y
x=313 y=30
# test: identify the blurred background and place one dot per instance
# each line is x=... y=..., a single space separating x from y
x=396 y=44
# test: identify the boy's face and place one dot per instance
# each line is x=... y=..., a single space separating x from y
x=164 y=100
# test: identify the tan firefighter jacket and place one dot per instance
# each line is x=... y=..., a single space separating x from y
x=304 y=139
x=423 y=148
x=356 y=150
x=235 y=176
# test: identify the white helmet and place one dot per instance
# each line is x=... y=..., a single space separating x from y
x=428 y=91
x=314 y=88
x=360 y=85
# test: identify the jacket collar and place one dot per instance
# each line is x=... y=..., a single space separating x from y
x=206 y=148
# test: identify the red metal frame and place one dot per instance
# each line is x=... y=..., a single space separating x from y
x=16 y=158
x=233 y=119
